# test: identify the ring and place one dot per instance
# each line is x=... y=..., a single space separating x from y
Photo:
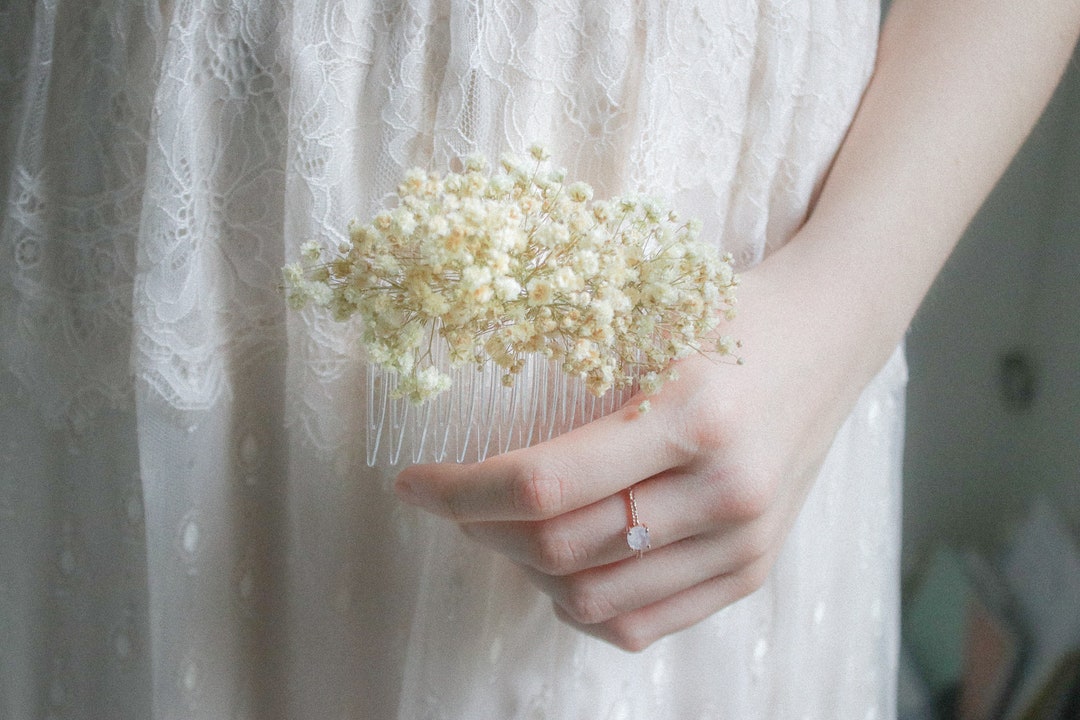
x=637 y=533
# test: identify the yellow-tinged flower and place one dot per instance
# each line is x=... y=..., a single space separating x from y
x=540 y=291
x=500 y=265
x=539 y=152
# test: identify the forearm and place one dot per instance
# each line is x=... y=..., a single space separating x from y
x=958 y=86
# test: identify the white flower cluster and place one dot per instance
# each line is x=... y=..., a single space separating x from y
x=506 y=264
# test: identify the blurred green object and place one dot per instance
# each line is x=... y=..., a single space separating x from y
x=934 y=620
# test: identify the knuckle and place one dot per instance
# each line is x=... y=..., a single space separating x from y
x=756 y=544
x=750 y=579
x=741 y=488
x=750 y=500
x=553 y=552
x=708 y=428
x=539 y=491
x=587 y=604
x=630 y=635
x=707 y=436
x=742 y=496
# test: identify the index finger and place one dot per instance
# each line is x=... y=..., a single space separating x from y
x=565 y=473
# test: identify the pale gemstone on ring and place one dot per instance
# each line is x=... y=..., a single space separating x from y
x=637 y=538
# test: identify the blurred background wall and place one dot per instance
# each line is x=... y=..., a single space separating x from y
x=994 y=397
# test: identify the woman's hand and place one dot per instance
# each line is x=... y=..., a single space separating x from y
x=720 y=467
x=722 y=463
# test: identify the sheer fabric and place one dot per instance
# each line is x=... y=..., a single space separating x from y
x=187 y=525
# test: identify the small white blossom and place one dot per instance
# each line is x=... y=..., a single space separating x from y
x=541 y=291
x=566 y=279
x=501 y=265
x=539 y=152
x=476 y=163
x=507 y=289
x=310 y=252
x=579 y=192
x=475 y=276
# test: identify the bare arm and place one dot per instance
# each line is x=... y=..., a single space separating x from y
x=958 y=86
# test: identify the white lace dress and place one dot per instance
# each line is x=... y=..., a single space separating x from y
x=187 y=525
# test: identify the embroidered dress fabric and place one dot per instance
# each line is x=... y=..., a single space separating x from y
x=188 y=526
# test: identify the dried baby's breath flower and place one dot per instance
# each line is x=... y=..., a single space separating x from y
x=501 y=265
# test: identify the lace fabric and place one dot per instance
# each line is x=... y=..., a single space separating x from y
x=189 y=526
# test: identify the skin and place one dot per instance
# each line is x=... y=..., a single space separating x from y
x=728 y=453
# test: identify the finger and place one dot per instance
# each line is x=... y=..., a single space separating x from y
x=636 y=630
x=601 y=594
x=672 y=505
x=566 y=473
